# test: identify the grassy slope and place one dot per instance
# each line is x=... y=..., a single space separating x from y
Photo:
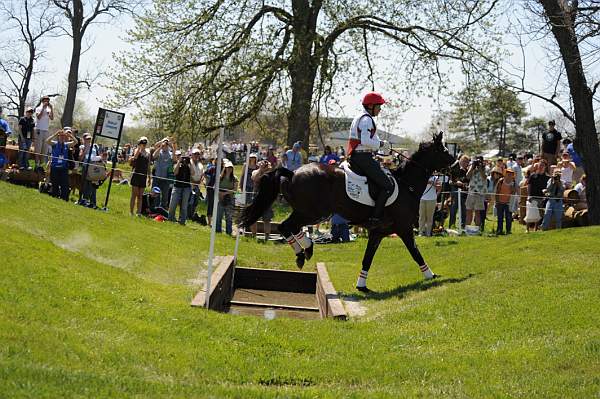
x=99 y=306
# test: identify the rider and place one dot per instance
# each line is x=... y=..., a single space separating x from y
x=363 y=141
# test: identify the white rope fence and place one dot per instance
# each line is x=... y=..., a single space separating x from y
x=244 y=192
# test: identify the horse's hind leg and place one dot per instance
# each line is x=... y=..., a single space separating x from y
x=291 y=229
x=409 y=241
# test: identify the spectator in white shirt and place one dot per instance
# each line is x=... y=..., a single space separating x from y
x=44 y=113
x=427 y=206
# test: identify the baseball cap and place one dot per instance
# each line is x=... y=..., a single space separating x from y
x=227 y=163
x=156 y=190
x=297 y=144
x=195 y=151
x=253 y=155
x=87 y=136
x=178 y=152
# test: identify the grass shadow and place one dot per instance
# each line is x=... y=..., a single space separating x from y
x=423 y=285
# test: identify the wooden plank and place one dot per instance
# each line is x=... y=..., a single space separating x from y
x=329 y=300
x=275 y=280
x=274 y=305
x=220 y=290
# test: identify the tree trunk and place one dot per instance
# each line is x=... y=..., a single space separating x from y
x=77 y=35
x=303 y=71
x=26 y=81
x=299 y=114
x=67 y=116
x=586 y=138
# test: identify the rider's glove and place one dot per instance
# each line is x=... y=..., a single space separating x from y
x=385 y=148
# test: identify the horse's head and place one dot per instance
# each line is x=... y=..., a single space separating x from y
x=434 y=155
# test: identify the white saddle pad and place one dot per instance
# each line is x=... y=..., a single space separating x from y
x=358 y=189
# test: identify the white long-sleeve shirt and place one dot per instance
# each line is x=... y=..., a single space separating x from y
x=363 y=128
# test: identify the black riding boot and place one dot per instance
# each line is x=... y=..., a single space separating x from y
x=376 y=218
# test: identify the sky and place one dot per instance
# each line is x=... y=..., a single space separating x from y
x=108 y=39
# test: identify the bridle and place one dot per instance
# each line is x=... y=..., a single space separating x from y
x=444 y=172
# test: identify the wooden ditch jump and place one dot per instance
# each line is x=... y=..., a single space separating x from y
x=246 y=290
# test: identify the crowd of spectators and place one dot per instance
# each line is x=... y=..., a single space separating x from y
x=168 y=183
x=526 y=187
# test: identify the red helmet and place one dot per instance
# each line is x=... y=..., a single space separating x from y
x=373 y=98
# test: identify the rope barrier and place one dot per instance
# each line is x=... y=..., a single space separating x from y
x=172 y=180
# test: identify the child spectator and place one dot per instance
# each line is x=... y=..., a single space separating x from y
x=567 y=169
x=151 y=204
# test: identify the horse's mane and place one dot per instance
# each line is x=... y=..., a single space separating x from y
x=418 y=157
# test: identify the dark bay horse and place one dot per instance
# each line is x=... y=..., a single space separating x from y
x=316 y=191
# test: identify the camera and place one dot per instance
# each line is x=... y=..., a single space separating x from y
x=185 y=159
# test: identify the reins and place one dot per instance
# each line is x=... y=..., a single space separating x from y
x=408 y=159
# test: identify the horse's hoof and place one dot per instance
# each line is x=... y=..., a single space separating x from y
x=308 y=252
x=363 y=289
x=433 y=277
x=300 y=260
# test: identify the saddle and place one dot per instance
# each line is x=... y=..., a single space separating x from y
x=363 y=192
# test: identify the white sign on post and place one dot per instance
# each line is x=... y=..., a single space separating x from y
x=109 y=124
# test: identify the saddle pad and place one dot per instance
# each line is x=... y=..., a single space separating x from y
x=357 y=187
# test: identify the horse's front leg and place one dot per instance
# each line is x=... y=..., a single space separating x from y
x=372 y=245
x=409 y=241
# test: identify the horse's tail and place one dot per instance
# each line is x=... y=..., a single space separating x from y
x=268 y=190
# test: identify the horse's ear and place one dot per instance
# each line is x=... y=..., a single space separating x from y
x=437 y=138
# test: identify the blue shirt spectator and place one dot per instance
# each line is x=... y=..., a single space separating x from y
x=575 y=157
x=328 y=155
x=5 y=126
x=294 y=158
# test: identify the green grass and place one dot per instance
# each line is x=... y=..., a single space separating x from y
x=96 y=304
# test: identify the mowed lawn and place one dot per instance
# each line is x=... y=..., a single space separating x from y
x=96 y=304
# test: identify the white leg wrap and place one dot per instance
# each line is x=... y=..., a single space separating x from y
x=427 y=273
x=294 y=244
x=303 y=240
x=362 y=279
